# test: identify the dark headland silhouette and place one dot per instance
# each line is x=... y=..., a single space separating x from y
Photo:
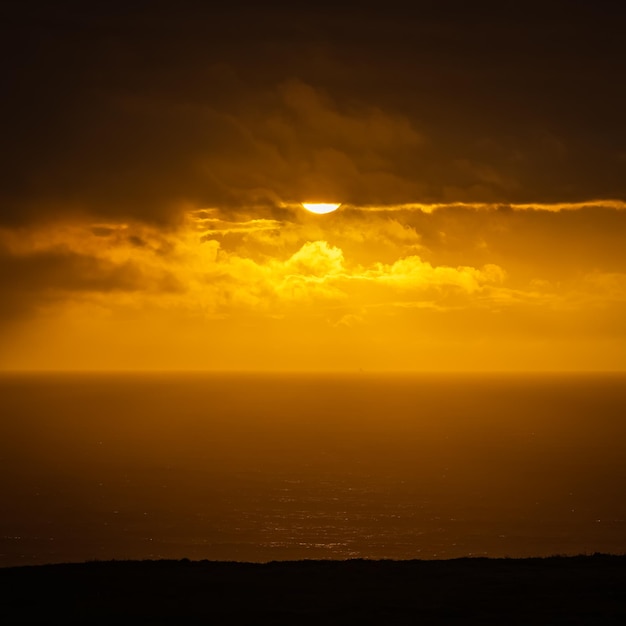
x=539 y=591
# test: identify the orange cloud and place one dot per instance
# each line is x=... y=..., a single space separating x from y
x=345 y=280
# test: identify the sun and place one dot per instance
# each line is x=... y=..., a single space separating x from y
x=321 y=207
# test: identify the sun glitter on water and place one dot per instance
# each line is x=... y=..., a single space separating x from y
x=321 y=207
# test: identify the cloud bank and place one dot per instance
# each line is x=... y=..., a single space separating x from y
x=487 y=279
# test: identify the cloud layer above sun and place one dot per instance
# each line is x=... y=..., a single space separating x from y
x=136 y=111
x=391 y=288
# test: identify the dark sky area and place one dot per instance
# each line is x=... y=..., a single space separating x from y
x=135 y=110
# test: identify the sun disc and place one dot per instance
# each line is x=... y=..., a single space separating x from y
x=321 y=207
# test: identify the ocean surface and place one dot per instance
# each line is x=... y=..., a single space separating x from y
x=271 y=467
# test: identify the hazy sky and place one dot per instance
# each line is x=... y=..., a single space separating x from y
x=154 y=155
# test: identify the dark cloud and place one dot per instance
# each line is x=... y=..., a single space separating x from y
x=137 y=110
x=32 y=280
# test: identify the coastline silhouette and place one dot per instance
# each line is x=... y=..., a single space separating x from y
x=588 y=590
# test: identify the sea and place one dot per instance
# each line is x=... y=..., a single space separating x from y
x=262 y=467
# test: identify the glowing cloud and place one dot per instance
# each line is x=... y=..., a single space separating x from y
x=473 y=286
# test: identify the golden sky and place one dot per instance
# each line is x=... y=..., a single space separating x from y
x=374 y=288
x=155 y=159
